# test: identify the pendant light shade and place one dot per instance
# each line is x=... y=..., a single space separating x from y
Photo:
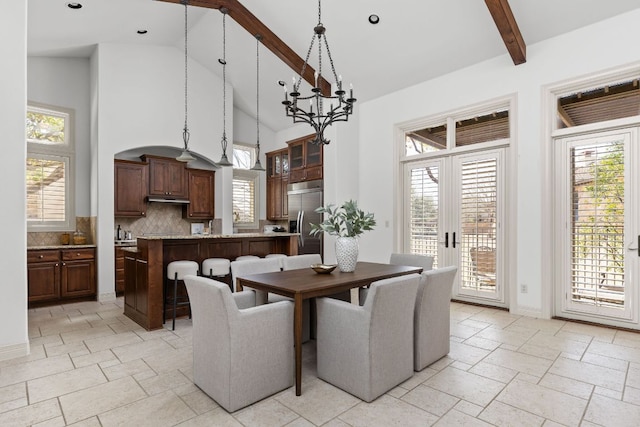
x=258 y=166
x=224 y=160
x=185 y=156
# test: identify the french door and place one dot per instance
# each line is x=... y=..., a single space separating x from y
x=454 y=212
x=596 y=274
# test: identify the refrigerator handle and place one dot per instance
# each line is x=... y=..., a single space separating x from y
x=302 y=228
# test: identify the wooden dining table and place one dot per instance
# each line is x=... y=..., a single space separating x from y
x=306 y=283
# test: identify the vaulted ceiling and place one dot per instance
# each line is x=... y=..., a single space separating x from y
x=415 y=40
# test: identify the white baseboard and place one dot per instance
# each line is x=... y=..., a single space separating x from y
x=527 y=311
x=13 y=351
x=108 y=297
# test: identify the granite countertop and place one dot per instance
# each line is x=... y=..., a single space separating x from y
x=60 y=247
x=217 y=236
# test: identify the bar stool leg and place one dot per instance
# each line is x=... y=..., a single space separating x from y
x=175 y=299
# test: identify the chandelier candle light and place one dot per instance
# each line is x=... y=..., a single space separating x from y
x=224 y=161
x=341 y=106
x=185 y=156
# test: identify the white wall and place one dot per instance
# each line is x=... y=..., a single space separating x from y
x=13 y=254
x=245 y=132
x=588 y=50
x=138 y=100
x=64 y=82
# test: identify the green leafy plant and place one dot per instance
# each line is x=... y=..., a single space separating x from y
x=344 y=221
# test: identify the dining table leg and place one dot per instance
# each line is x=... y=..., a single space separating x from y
x=297 y=333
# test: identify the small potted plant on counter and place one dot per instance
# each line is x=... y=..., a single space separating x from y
x=347 y=222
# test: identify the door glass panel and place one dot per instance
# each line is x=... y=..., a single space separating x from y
x=597 y=224
x=478 y=216
x=424 y=210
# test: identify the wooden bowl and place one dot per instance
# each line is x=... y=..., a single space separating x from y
x=323 y=268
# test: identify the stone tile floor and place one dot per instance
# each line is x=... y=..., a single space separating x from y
x=92 y=366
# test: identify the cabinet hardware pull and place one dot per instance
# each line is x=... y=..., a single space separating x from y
x=78 y=254
x=40 y=256
x=446 y=239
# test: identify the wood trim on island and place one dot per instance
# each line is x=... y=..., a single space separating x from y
x=146 y=264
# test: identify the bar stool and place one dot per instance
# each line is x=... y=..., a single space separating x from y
x=279 y=256
x=177 y=270
x=218 y=268
x=246 y=257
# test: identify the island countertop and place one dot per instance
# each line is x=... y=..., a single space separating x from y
x=215 y=236
x=145 y=265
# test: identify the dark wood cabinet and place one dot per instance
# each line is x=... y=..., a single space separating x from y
x=43 y=275
x=167 y=177
x=135 y=287
x=277 y=181
x=201 y=194
x=78 y=273
x=130 y=188
x=56 y=276
x=305 y=159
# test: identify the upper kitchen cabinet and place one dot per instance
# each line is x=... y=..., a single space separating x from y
x=201 y=194
x=277 y=180
x=305 y=159
x=130 y=188
x=167 y=177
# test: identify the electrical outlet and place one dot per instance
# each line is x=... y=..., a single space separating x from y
x=524 y=288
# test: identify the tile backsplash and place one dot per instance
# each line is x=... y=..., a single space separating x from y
x=86 y=225
x=161 y=219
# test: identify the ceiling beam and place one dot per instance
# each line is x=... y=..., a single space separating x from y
x=508 y=28
x=254 y=26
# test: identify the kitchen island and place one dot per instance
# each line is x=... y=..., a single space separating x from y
x=145 y=265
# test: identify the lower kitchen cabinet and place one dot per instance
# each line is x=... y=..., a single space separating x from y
x=57 y=276
x=119 y=271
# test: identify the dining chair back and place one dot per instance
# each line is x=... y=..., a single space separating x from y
x=413 y=260
x=432 y=316
x=297 y=262
x=254 y=266
x=367 y=350
x=240 y=355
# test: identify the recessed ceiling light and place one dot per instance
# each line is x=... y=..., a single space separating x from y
x=142 y=31
x=74 y=5
x=374 y=19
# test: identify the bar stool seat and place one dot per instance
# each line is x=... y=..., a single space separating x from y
x=177 y=270
x=218 y=269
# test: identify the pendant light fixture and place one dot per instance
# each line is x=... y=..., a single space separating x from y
x=341 y=106
x=185 y=156
x=224 y=161
x=258 y=166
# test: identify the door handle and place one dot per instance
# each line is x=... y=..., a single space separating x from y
x=453 y=242
x=446 y=239
x=302 y=228
x=637 y=248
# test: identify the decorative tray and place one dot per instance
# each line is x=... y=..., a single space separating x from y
x=323 y=268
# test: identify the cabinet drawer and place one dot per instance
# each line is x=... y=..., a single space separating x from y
x=71 y=255
x=43 y=256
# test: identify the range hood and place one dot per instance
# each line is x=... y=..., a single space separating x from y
x=165 y=200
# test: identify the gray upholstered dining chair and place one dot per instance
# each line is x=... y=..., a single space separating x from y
x=269 y=265
x=254 y=266
x=432 y=317
x=296 y=262
x=413 y=260
x=240 y=356
x=367 y=350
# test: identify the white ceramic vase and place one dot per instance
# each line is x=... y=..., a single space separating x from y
x=347 y=253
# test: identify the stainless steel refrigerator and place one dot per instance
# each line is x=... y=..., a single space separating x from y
x=304 y=199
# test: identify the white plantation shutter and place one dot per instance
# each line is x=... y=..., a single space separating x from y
x=46 y=195
x=424 y=210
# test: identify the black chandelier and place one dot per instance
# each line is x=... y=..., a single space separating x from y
x=317 y=115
